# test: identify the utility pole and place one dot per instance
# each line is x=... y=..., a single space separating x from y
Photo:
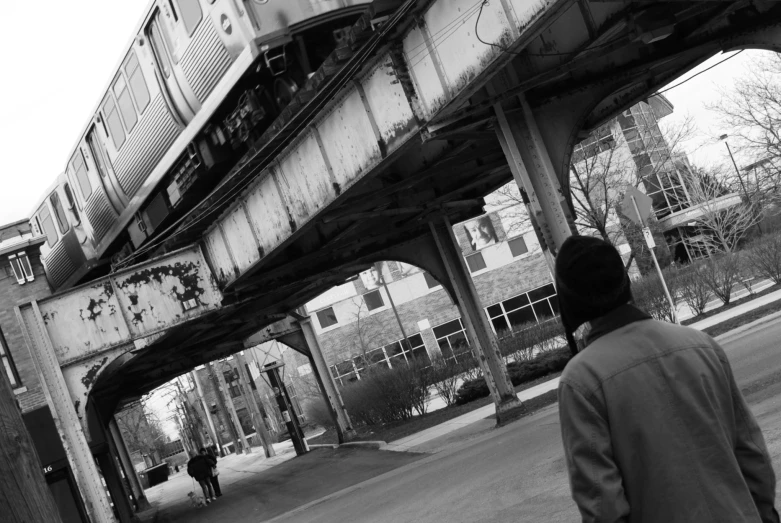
x=268 y=407
x=404 y=341
x=223 y=408
x=194 y=423
x=232 y=410
x=257 y=418
x=740 y=178
x=212 y=430
x=25 y=495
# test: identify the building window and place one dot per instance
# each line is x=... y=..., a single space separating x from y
x=530 y=307
x=476 y=262
x=452 y=340
x=430 y=281
x=518 y=246
x=344 y=372
x=8 y=364
x=232 y=381
x=390 y=355
x=373 y=300
x=327 y=317
x=20 y=265
x=305 y=369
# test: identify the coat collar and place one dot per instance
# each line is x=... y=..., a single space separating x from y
x=614 y=320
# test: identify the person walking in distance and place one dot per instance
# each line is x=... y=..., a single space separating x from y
x=215 y=477
x=200 y=468
x=654 y=427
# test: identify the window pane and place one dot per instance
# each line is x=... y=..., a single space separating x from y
x=543 y=310
x=500 y=324
x=516 y=303
x=26 y=267
x=80 y=170
x=115 y=128
x=394 y=349
x=191 y=14
x=375 y=356
x=48 y=227
x=16 y=267
x=344 y=368
x=521 y=316
x=421 y=356
x=444 y=346
x=518 y=246
x=542 y=292
x=127 y=109
x=10 y=372
x=416 y=340
x=137 y=82
x=447 y=328
x=373 y=300
x=59 y=213
x=430 y=281
x=458 y=342
x=494 y=311
x=475 y=262
x=97 y=152
x=326 y=317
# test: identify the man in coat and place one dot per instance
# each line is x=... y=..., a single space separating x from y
x=200 y=468
x=654 y=427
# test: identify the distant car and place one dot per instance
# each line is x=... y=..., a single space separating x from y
x=197 y=83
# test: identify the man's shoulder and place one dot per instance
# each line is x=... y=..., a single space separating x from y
x=629 y=346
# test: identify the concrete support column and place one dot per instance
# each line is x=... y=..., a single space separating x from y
x=533 y=171
x=344 y=427
x=257 y=417
x=484 y=343
x=115 y=485
x=231 y=409
x=127 y=465
x=69 y=427
x=212 y=430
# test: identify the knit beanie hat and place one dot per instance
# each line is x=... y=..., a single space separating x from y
x=590 y=282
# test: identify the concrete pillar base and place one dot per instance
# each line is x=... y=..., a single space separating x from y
x=510 y=411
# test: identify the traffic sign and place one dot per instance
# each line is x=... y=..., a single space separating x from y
x=642 y=204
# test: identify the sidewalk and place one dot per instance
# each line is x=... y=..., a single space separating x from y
x=424 y=441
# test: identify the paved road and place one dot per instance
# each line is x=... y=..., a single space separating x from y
x=517 y=473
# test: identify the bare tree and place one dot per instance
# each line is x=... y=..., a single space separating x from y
x=724 y=217
x=141 y=430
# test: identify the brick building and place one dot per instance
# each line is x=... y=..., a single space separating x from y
x=22 y=279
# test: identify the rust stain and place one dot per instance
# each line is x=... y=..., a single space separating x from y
x=92 y=373
x=185 y=272
x=94 y=309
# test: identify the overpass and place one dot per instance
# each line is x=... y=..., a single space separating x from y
x=428 y=107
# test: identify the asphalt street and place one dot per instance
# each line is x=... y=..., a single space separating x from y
x=517 y=473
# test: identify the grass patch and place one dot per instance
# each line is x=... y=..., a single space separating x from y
x=732 y=304
x=402 y=429
x=743 y=319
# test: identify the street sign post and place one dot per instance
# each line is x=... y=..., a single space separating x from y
x=637 y=207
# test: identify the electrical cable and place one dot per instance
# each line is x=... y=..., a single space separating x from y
x=699 y=73
x=240 y=186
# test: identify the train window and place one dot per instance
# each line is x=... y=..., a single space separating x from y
x=48 y=226
x=59 y=213
x=80 y=170
x=116 y=131
x=71 y=202
x=125 y=103
x=97 y=152
x=191 y=14
x=135 y=77
x=159 y=47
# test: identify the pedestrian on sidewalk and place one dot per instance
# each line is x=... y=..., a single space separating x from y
x=215 y=477
x=200 y=468
x=655 y=429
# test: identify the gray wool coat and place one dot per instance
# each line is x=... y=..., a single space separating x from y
x=655 y=429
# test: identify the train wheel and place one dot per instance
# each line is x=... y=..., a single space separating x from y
x=285 y=88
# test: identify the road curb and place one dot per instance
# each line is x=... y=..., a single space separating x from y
x=743 y=328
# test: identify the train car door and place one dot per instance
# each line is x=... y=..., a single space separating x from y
x=164 y=48
x=106 y=175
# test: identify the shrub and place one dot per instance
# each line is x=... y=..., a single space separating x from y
x=384 y=395
x=693 y=289
x=520 y=372
x=764 y=254
x=444 y=376
x=721 y=274
x=649 y=295
x=316 y=411
x=524 y=342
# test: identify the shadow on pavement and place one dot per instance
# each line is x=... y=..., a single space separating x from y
x=257 y=489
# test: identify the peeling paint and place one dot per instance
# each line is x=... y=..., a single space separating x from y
x=186 y=273
x=94 y=309
x=92 y=374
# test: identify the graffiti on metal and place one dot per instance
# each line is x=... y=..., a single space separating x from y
x=129 y=305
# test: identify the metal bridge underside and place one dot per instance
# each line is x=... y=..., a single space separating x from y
x=576 y=63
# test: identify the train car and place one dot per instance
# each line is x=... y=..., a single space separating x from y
x=198 y=82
